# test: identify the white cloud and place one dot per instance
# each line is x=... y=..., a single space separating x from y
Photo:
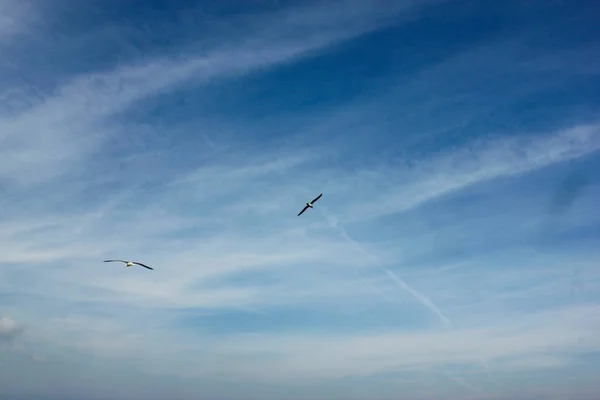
x=488 y=160
x=547 y=340
x=313 y=357
x=9 y=328
x=225 y=237
x=69 y=124
x=59 y=131
x=186 y=264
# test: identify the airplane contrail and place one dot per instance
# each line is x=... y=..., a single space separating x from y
x=419 y=296
x=415 y=293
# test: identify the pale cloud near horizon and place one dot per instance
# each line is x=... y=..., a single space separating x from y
x=82 y=181
x=9 y=328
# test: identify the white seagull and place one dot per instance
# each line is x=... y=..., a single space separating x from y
x=310 y=205
x=130 y=263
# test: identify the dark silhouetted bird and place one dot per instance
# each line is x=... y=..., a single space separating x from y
x=310 y=204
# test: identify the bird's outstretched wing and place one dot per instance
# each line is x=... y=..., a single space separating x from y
x=304 y=209
x=123 y=261
x=316 y=198
x=143 y=265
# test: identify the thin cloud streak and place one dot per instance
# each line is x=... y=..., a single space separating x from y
x=245 y=293
x=84 y=103
x=423 y=299
x=147 y=221
x=357 y=354
x=401 y=283
x=473 y=165
x=185 y=259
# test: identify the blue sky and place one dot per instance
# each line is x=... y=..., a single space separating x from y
x=454 y=254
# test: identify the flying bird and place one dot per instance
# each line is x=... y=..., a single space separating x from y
x=310 y=204
x=130 y=263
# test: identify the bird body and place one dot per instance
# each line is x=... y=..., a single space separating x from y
x=310 y=204
x=130 y=263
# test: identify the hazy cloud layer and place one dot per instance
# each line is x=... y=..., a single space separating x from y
x=453 y=254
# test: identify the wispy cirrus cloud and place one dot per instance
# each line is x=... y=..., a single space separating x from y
x=479 y=163
x=67 y=114
x=423 y=219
